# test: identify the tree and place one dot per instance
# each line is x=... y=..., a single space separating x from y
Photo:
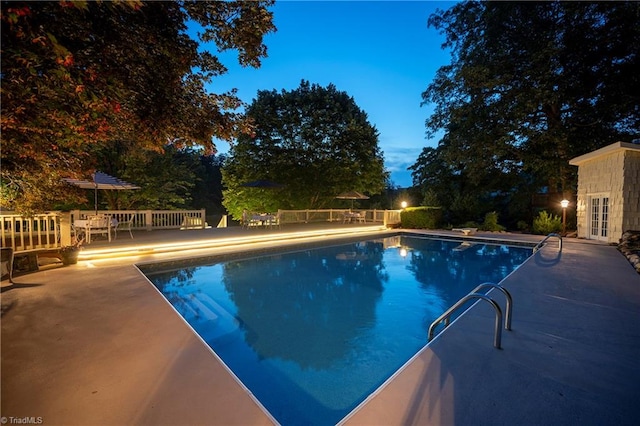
x=207 y=193
x=78 y=76
x=531 y=85
x=314 y=140
x=175 y=178
x=167 y=179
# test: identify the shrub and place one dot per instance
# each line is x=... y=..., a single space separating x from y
x=546 y=224
x=421 y=217
x=491 y=223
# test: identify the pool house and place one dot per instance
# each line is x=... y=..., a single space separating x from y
x=608 y=201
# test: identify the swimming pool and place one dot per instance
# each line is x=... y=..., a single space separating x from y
x=312 y=332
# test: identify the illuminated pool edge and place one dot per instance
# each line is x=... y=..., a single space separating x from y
x=245 y=252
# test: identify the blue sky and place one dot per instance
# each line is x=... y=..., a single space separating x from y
x=379 y=52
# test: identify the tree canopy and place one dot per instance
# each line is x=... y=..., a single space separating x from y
x=78 y=77
x=315 y=141
x=530 y=86
x=173 y=178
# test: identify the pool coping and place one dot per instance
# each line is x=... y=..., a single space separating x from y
x=459 y=378
x=94 y=336
x=465 y=311
x=298 y=246
x=149 y=268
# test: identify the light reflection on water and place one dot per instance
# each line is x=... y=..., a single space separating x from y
x=313 y=333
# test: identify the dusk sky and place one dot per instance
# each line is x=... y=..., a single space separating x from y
x=379 y=52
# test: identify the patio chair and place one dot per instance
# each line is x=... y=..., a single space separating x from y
x=275 y=220
x=98 y=224
x=249 y=219
x=126 y=225
x=7 y=263
x=245 y=219
x=353 y=217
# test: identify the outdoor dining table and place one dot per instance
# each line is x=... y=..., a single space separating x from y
x=84 y=225
x=264 y=219
x=353 y=217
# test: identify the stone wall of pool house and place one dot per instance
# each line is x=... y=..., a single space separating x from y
x=608 y=175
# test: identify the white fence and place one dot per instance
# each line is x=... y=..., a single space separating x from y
x=53 y=230
x=151 y=219
x=386 y=217
x=41 y=231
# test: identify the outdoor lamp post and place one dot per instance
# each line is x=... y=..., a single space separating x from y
x=403 y=204
x=564 y=204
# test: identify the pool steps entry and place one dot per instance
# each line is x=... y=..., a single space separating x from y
x=541 y=243
x=473 y=294
x=203 y=309
x=446 y=316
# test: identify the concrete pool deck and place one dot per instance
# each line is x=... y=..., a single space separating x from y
x=95 y=344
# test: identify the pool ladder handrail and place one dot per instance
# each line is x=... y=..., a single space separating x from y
x=541 y=243
x=497 y=337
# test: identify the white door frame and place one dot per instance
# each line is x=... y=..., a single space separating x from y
x=598 y=216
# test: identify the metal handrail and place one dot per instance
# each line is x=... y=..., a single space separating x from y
x=539 y=245
x=497 y=339
x=509 y=308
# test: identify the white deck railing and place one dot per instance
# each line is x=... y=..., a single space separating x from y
x=41 y=231
x=150 y=219
x=45 y=231
x=387 y=217
x=53 y=229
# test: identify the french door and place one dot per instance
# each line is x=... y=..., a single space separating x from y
x=599 y=217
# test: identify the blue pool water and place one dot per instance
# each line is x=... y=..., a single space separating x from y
x=313 y=332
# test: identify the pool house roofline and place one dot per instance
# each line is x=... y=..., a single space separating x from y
x=609 y=149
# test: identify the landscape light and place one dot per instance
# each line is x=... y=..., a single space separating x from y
x=564 y=204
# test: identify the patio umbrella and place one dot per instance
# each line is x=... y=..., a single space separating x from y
x=352 y=195
x=101 y=181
